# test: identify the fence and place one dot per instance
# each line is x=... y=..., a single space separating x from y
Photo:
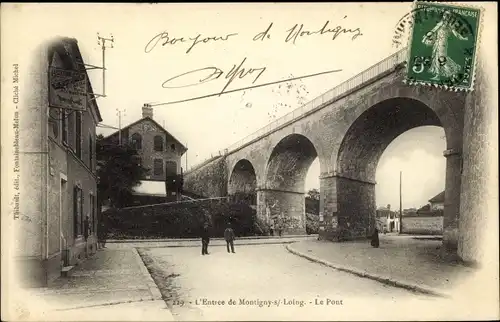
x=334 y=94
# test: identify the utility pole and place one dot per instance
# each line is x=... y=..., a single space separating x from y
x=186 y=157
x=102 y=41
x=400 y=202
x=119 y=114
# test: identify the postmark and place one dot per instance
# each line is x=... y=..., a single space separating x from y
x=442 y=45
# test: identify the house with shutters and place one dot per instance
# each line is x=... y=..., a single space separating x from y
x=160 y=152
x=58 y=116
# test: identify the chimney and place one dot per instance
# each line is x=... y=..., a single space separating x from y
x=147 y=111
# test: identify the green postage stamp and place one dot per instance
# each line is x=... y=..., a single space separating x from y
x=443 y=45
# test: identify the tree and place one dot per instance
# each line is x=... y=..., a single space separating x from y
x=313 y=194
x=118 y=170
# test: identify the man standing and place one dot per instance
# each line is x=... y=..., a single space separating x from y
x=229 y=237
x=205 y=239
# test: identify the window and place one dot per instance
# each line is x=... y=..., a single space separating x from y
x=158 y=143
x=91 y=152
x=172 y=146
x=77 y=211
x=78 y=135
x=93 y=219
x=158 y=167
x=64 y=125
x=54 y=119
x=136 y=141
x=171 y=168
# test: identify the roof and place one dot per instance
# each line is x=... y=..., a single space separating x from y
x=57 y=45
x=150 y=188
x=424 y=208
x=437 y=198
x=156 y=123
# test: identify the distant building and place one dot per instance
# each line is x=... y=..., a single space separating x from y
x=410 y=212
x=437 y=202
x=388 y=220
x=424 y=209
x=159 y=151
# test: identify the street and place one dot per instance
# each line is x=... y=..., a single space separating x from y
x=263 y=282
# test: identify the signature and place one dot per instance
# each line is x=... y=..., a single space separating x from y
x=298 y=31
x=216 y=71
x=213 y=73
x=166 y=39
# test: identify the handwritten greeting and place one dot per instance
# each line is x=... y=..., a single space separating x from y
x=239 y=71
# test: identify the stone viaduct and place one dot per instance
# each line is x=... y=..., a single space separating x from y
x=347 y=128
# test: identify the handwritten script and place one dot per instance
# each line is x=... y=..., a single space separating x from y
x=238 y=71
x=166 y=39
x=215 y=73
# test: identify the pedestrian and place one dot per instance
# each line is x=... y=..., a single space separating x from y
x=229 y=237
x=205 y=239
x=374 y=239
x=102 y=232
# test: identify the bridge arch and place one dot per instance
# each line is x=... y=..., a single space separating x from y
x=359 y=152
x=243 y=181
x=282 y=195
x=370 y=134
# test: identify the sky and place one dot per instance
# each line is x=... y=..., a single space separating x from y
x=418 y=154
x=136 y=72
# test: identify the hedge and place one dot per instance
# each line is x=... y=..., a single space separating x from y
x=181 y=220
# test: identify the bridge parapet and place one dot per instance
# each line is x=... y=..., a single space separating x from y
x=343 y=89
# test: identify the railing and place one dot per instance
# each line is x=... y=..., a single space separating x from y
x=335 y=93
x=175 y=202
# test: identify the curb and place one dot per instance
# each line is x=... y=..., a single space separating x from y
x=155 y=291
x=378 y=278
x=198 y=239
x=216 y=245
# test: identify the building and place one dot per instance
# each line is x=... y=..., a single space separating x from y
x=437 y=202
x=424 y=210
x=387 y=220
x=58 y=117
x=159 y=151
x=410 y=212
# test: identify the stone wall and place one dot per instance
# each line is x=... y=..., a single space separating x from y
x=478 y=223
x=208 y=181
x=353 y=215
x=423 y=225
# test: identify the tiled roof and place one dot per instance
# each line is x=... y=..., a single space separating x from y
x=437 y=198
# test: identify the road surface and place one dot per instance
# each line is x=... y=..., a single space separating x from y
x=266 y=282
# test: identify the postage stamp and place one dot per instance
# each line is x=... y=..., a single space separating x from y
x=443 y=45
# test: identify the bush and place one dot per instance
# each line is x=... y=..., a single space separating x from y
x=181 y=220
x=312 y=223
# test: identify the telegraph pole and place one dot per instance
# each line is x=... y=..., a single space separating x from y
x=400 y=202
x=119 y=114
x=102 y=41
